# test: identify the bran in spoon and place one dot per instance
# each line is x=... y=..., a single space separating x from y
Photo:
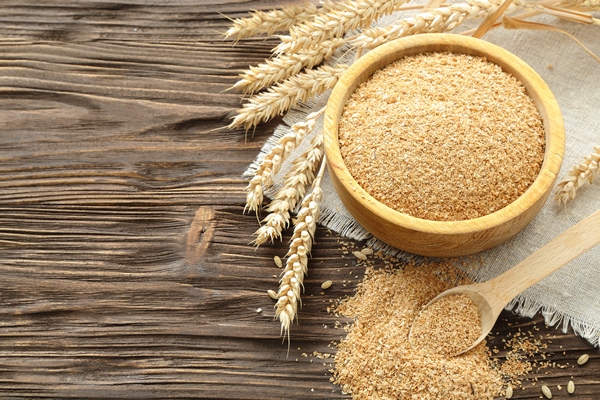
x=447 y=326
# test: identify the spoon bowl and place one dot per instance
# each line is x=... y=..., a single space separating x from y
x=491 y=297
x=487 y=314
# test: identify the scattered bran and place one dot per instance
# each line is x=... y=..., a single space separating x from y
x=376 y=361
x=442 y=136
x=365 y=366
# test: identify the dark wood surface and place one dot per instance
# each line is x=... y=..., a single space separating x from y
x=125 y=269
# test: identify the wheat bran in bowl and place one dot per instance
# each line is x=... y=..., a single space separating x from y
x=443 y=173
x=442 y=136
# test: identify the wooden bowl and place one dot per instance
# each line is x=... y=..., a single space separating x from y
x=443 y=238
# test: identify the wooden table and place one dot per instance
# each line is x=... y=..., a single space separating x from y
x=125 y=269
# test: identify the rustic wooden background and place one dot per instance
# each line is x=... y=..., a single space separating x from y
x=125 y=269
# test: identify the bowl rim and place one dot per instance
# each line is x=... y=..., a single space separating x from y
x=395 y=50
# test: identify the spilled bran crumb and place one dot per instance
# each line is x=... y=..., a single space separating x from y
x=375 y=362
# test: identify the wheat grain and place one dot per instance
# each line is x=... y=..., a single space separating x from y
x=270 y=22
x=271 y=162
x=367 y=251
x=284 y=95
x=546 y=391
x=441 y=19
x=294 y=188
x=578 y=176
x=342 y=18
x=296 y=266
x=583 y=359
x=285 y=65
x=326 y=285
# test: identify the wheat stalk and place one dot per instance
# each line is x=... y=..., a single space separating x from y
x=284 y=95
x=291 y=283
x=570 y=11
x=272 y=161
x=583 y=5
x=284 y=66
x=439 y=19
x=294 y=188
x=270 y=22
x=341 y=18
x=578 y=176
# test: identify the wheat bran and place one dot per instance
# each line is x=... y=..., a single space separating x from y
x=447 y=326
x=442 y=136
x=375 y=360
x=386 y=299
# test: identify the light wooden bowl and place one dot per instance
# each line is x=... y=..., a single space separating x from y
x=443 y=238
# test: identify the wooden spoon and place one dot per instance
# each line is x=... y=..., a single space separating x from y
x=492 y=296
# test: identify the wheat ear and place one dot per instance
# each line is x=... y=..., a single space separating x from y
x=439 y=19
x=284 y=66
x=295 y=182
x=341 y=18
x=578 y=176
x=270 y=22
x=296 y=266
x=271 y=163
x=284 y=95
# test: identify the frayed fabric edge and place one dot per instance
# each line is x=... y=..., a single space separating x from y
x=346 y=227
x=527 y=307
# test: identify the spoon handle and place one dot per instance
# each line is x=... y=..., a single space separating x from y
x=559 y=251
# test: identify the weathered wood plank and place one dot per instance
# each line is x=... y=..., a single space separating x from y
x=124 y=259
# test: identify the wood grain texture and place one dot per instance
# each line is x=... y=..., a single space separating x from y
x=125 y=269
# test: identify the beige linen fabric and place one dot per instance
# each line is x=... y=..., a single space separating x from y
x=571 y=296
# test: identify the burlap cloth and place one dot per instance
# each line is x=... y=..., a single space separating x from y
x=571 y=296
